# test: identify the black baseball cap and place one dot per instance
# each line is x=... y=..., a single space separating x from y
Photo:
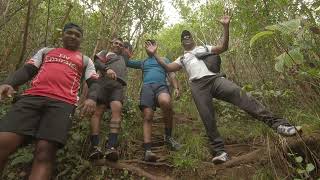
x=71 y=25
x=185 y=33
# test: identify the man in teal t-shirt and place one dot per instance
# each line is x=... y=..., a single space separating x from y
x=155 y=93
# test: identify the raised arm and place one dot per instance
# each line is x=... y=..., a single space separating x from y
x=171 y=67
x=223 y=45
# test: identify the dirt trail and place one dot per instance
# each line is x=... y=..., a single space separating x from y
x=246 y=159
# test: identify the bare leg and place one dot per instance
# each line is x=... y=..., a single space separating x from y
x=116 y=108
x=43 y=162
x=95 y=152
x=9 y=142
x=147 y=124
x=96 y=119
x=164 y=100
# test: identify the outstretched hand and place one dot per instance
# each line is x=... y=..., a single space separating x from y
x=176 y=93
x=111 y=74
x=6 y=91
x=225 y=20
x=151 y=48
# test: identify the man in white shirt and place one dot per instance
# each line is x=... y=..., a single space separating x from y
x=206 y=85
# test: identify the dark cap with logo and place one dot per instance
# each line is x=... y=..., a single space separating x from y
x=185 y=33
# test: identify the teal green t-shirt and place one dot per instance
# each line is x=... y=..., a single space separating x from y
x=152 y=71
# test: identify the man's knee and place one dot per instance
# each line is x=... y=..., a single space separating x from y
x=147 y=115
x=45 y=151
x=116 y=107
x=9 y=142
x=98 y=112
x=165 y=102
x=233 y=91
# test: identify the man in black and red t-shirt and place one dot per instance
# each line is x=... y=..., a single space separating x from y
x=44 y=110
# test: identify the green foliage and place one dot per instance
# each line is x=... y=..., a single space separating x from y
x=291 y=93
x=21 y=157
x=259 y=36
x=302 y=169
x=193 y=149
x=286 y=27
x=297 y=51
x=263 y=174
x=289 y=59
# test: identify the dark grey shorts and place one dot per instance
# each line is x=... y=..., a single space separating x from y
x=109 y=91
x=39 y=117
x=149 y=95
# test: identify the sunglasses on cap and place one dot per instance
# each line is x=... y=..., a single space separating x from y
x=186 y=37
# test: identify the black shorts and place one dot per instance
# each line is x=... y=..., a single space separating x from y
x=39 y=117
x=149 y=95
x=109 y=91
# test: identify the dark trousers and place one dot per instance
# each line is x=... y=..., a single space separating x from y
x=208 y=87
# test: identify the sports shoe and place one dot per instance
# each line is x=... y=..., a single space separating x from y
x=286 y=130
x=111 y=154
x=220 y=157
x=149 y=156
x=172 y=143
x=95 y=153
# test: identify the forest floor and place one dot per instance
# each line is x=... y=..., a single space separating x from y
x=246 y=158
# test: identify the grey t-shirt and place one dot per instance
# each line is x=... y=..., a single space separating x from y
x=113 y=61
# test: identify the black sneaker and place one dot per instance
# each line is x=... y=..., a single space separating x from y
x=221 y=157
x=111 y=154
x=172 y=143
x=95 y=153
x=149 y=156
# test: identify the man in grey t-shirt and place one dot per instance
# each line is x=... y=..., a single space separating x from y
x=206 y=85
x=112 y=66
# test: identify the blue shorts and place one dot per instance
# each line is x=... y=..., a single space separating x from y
x=149 y=95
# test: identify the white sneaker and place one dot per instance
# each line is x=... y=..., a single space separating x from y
x=288 y=130
x=220 y=157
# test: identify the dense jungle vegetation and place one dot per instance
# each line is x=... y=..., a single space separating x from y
x=274 y=54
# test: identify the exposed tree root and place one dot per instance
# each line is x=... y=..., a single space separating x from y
x=244 y=159
x=147 y=163
x=133 y=169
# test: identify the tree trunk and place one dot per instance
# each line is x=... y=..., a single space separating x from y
x=8 y=18
x=57 y=35
x=47 y=26
x=4 y=10
x=25 y=35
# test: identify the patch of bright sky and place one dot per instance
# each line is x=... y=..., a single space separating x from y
x=172 y=15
